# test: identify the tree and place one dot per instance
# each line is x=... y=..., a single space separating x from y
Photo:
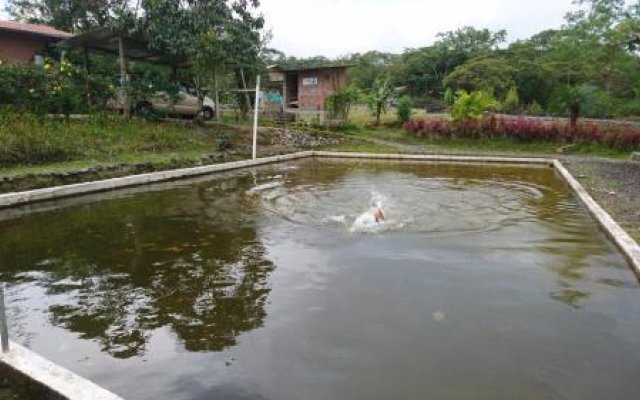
x=379 y=97
x=423 y=70
x=471 y=41
x=584 y=99
x=490 y=74
x=367 y=67
x=212 y=34
x=68 y=15
x=338 y=104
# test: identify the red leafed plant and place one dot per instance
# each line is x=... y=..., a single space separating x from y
x=526 y=130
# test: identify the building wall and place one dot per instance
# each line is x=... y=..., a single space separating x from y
x=312 y=97
x=17 y=48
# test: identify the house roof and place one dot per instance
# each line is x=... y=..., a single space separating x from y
x=314 y=68
x=107 y=41
x=33 y=29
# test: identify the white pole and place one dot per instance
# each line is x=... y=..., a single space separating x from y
x=255 y=118
x=4 y=329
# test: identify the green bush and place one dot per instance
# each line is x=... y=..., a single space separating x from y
x=448 y=97
x=404 y=109
x=627 y=108
x=535 y=109
x=511 y=103
x=54 y=87
x=339 y=103
x=472 y=106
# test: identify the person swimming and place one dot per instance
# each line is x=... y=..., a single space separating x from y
x=378 y=214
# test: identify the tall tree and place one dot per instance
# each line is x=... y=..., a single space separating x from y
x=379 y=97
x=423 y=70
x=210 y=34
x=68 y=15
x=490 y=74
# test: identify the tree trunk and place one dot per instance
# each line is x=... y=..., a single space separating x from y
x=216 y=89
x=246 y=94
x=378 y=113
x=574 y=111
x=199 y=116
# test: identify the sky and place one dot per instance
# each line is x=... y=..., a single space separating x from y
x=337 y=27
x=331 y=28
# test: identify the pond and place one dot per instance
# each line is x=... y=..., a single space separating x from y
x=484 y=282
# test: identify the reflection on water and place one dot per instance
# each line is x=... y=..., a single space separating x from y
x=276 y=283
x=119 y=273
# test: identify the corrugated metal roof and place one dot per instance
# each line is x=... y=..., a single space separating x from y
x=313 y=68
x=34 y=29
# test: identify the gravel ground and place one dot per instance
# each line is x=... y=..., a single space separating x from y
x=615 y=185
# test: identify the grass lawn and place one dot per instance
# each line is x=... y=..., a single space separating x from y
x=361 y=115
x=32 y=145
x=400 y=141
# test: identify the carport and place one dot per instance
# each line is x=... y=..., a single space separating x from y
x=125 y=47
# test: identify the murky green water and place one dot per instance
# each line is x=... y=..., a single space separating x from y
x=485 y=282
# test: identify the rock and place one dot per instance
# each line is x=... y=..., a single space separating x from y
x=635 y=156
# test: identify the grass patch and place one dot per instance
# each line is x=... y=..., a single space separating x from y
x=154 y=158
x=404 y=141
x=361 y=115
x=27 y=141
x=364 y=147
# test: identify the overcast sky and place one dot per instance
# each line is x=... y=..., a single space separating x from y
x=337 y=27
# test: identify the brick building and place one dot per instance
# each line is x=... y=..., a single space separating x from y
x=27 y=43
x=306 y=89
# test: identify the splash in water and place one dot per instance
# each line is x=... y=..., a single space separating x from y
x=374 y=219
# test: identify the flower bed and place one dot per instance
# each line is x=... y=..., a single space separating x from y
x=527 y=130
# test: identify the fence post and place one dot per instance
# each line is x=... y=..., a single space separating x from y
x=4 y=329
x=255 y=119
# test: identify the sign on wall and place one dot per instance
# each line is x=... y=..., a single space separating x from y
x=311 y=81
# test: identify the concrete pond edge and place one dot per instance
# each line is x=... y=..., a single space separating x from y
x=56 y=382
x=67 y=385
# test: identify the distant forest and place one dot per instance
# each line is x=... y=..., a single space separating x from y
x=595 y=56
x=592 y=60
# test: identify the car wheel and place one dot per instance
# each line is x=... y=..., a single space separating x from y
x=207 y=113
x=144 y=109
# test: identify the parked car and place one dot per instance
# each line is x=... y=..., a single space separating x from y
x=184 y=104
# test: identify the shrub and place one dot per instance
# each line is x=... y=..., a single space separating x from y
x=51 y=88
x=511 y=102
x=527 y=130
x=404 y=109
x=448 y=98
x=535 y=109
x=339 y=103
x=628 y=108
x=472 y=106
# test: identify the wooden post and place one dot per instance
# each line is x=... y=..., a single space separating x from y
x=217 y=95
x=123 y=79
x=85 y=54
x=246 y=94
x=256 y=107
